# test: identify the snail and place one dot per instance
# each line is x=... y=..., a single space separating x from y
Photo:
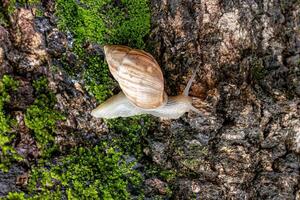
x=142 y=84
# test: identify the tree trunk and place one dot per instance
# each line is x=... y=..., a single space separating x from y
x=245 y=144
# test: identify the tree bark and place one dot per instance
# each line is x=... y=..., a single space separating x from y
x=246 y=144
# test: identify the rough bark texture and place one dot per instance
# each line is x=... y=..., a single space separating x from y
x=245 y=145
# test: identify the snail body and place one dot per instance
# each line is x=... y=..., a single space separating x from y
x=142 y=84
x=120 y=106
x=116 y=106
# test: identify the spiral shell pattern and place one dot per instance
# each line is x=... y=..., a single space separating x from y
x=138 y=75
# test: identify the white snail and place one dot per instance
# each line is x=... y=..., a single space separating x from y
x=142 y=84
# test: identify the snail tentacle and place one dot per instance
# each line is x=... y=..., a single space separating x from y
x=189 y=84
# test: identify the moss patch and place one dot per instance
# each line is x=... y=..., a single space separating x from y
x=131 y=132
x=7 y=152
x=101 y=172
x=97 y=80
x=102 y=22
x=105 y=21
x=41 y=117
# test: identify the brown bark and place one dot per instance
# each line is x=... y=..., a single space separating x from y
x=246 y=145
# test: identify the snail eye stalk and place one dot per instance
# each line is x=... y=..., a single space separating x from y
x=189 y=84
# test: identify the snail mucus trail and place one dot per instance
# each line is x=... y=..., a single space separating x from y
x=142 y=84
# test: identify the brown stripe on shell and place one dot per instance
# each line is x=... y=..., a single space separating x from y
x=143 y=75
x=148 y=98
x=114 y=56
x=138 y=74
x=138 y=83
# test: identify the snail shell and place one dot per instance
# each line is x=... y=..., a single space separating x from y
x=138 y=75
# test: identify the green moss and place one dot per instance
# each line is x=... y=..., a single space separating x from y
x=97 y=80
x=131 y=132
x=47 y=195
x=39 y=13
x=102 y=22
x=168 y=175
x=7 y=152
x=41 y=117
x=15 y=196
x=98 y=173
x=105 y=21
x=81 y=19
